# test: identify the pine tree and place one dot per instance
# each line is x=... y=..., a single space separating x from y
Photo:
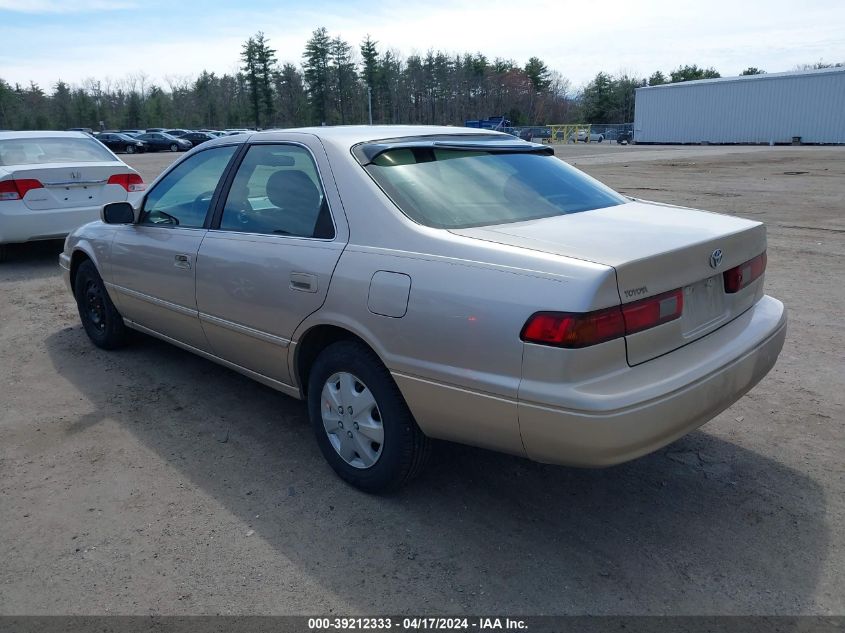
x=538 y=74
x=315 y=65
x=249 y=57
x=265 y=58
x=340 y=54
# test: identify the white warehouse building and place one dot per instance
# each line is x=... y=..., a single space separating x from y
x=777 y=108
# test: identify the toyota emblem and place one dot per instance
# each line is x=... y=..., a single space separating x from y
x=716 y=258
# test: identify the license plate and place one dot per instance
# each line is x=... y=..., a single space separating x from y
x=704 y=304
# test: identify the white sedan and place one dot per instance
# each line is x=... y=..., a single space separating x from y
x=53 y=182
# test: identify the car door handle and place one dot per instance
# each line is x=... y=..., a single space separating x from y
x=182 y=261
x=304 y=282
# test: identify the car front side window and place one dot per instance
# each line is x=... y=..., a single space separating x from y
x=183 y=196
x=277 y=191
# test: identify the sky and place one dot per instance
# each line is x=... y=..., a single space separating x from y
x=47 y=40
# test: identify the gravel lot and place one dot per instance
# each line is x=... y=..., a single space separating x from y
x=149 y=481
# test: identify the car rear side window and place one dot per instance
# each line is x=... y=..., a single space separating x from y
x=456 y=188
x=35 y=151
x=183 y=196
x=277 y=191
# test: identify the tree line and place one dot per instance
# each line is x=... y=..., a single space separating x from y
x=337 y=83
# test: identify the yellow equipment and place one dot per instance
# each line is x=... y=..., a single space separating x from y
x=570 y=133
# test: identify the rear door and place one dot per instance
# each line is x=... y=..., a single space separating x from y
x=153 y=261
x=267 y=261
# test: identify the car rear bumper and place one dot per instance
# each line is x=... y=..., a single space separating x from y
x=19 y=223
x=629 y=420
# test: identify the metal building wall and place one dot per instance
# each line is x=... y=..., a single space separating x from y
x=755 y=109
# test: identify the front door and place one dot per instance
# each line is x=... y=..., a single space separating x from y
x=153 y=263
x=267 y=261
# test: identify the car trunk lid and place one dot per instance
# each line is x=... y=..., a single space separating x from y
x=654 y=248
x=71 y=185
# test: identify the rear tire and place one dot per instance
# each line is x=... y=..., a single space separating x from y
x=371 y=465
x=4 y=252
x=101 y=320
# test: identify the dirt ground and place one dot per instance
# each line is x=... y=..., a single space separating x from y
x=149 y=481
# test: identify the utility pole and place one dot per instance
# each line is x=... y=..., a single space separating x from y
x=370 y=103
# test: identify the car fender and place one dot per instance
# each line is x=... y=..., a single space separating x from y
x=93 y=240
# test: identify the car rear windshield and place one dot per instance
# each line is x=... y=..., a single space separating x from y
x=456 y=188
x=35 y=151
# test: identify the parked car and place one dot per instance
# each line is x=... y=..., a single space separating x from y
x=156 y=129
x=117 y=142
x=197 y=138
x=415 y=282
x=625 y=137
x=584 y=137
x=177 y=132
x=158 y=141
x=51 y=182
x=529 y=133
x=133 y=132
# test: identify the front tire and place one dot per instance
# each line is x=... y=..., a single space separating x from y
x=130 y=149
x=174 y=147
x=4 y=253
x=361 y=421
x=101 y=320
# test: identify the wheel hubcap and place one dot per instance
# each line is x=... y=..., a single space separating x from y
x=352 y=420
x=95 y=306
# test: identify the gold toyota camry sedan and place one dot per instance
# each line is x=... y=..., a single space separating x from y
x=431 y=282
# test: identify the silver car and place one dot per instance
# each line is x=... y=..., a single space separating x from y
x=423 y=282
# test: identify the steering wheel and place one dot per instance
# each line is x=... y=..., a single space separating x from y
x=204 y=197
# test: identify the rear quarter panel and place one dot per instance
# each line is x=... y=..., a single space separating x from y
x=456 y=353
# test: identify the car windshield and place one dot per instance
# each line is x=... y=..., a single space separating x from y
x=34 y=151
x=456 y=188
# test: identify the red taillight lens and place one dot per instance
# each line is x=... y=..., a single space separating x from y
x=741 y=276
x=130 y=182
x=653 y=311
x=573 y=330
x=564 y=329
x=16 y=189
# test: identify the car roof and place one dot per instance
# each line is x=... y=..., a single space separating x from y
x=347 y=136
x=42 y=134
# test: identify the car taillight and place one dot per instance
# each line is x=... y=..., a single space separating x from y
x=130 y=182
x=574 y=330
x=653 y=311
x=740 y=276
x=16 y=189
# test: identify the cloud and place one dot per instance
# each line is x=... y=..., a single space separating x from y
x=65 y=6
x=640 y=38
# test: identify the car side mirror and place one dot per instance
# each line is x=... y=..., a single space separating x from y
x=118 y=213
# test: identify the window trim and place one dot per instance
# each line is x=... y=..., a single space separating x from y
x=217 y=218
x=214 y=198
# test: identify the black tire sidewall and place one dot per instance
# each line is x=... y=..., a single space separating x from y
x=392 y=468
x=114 y=333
